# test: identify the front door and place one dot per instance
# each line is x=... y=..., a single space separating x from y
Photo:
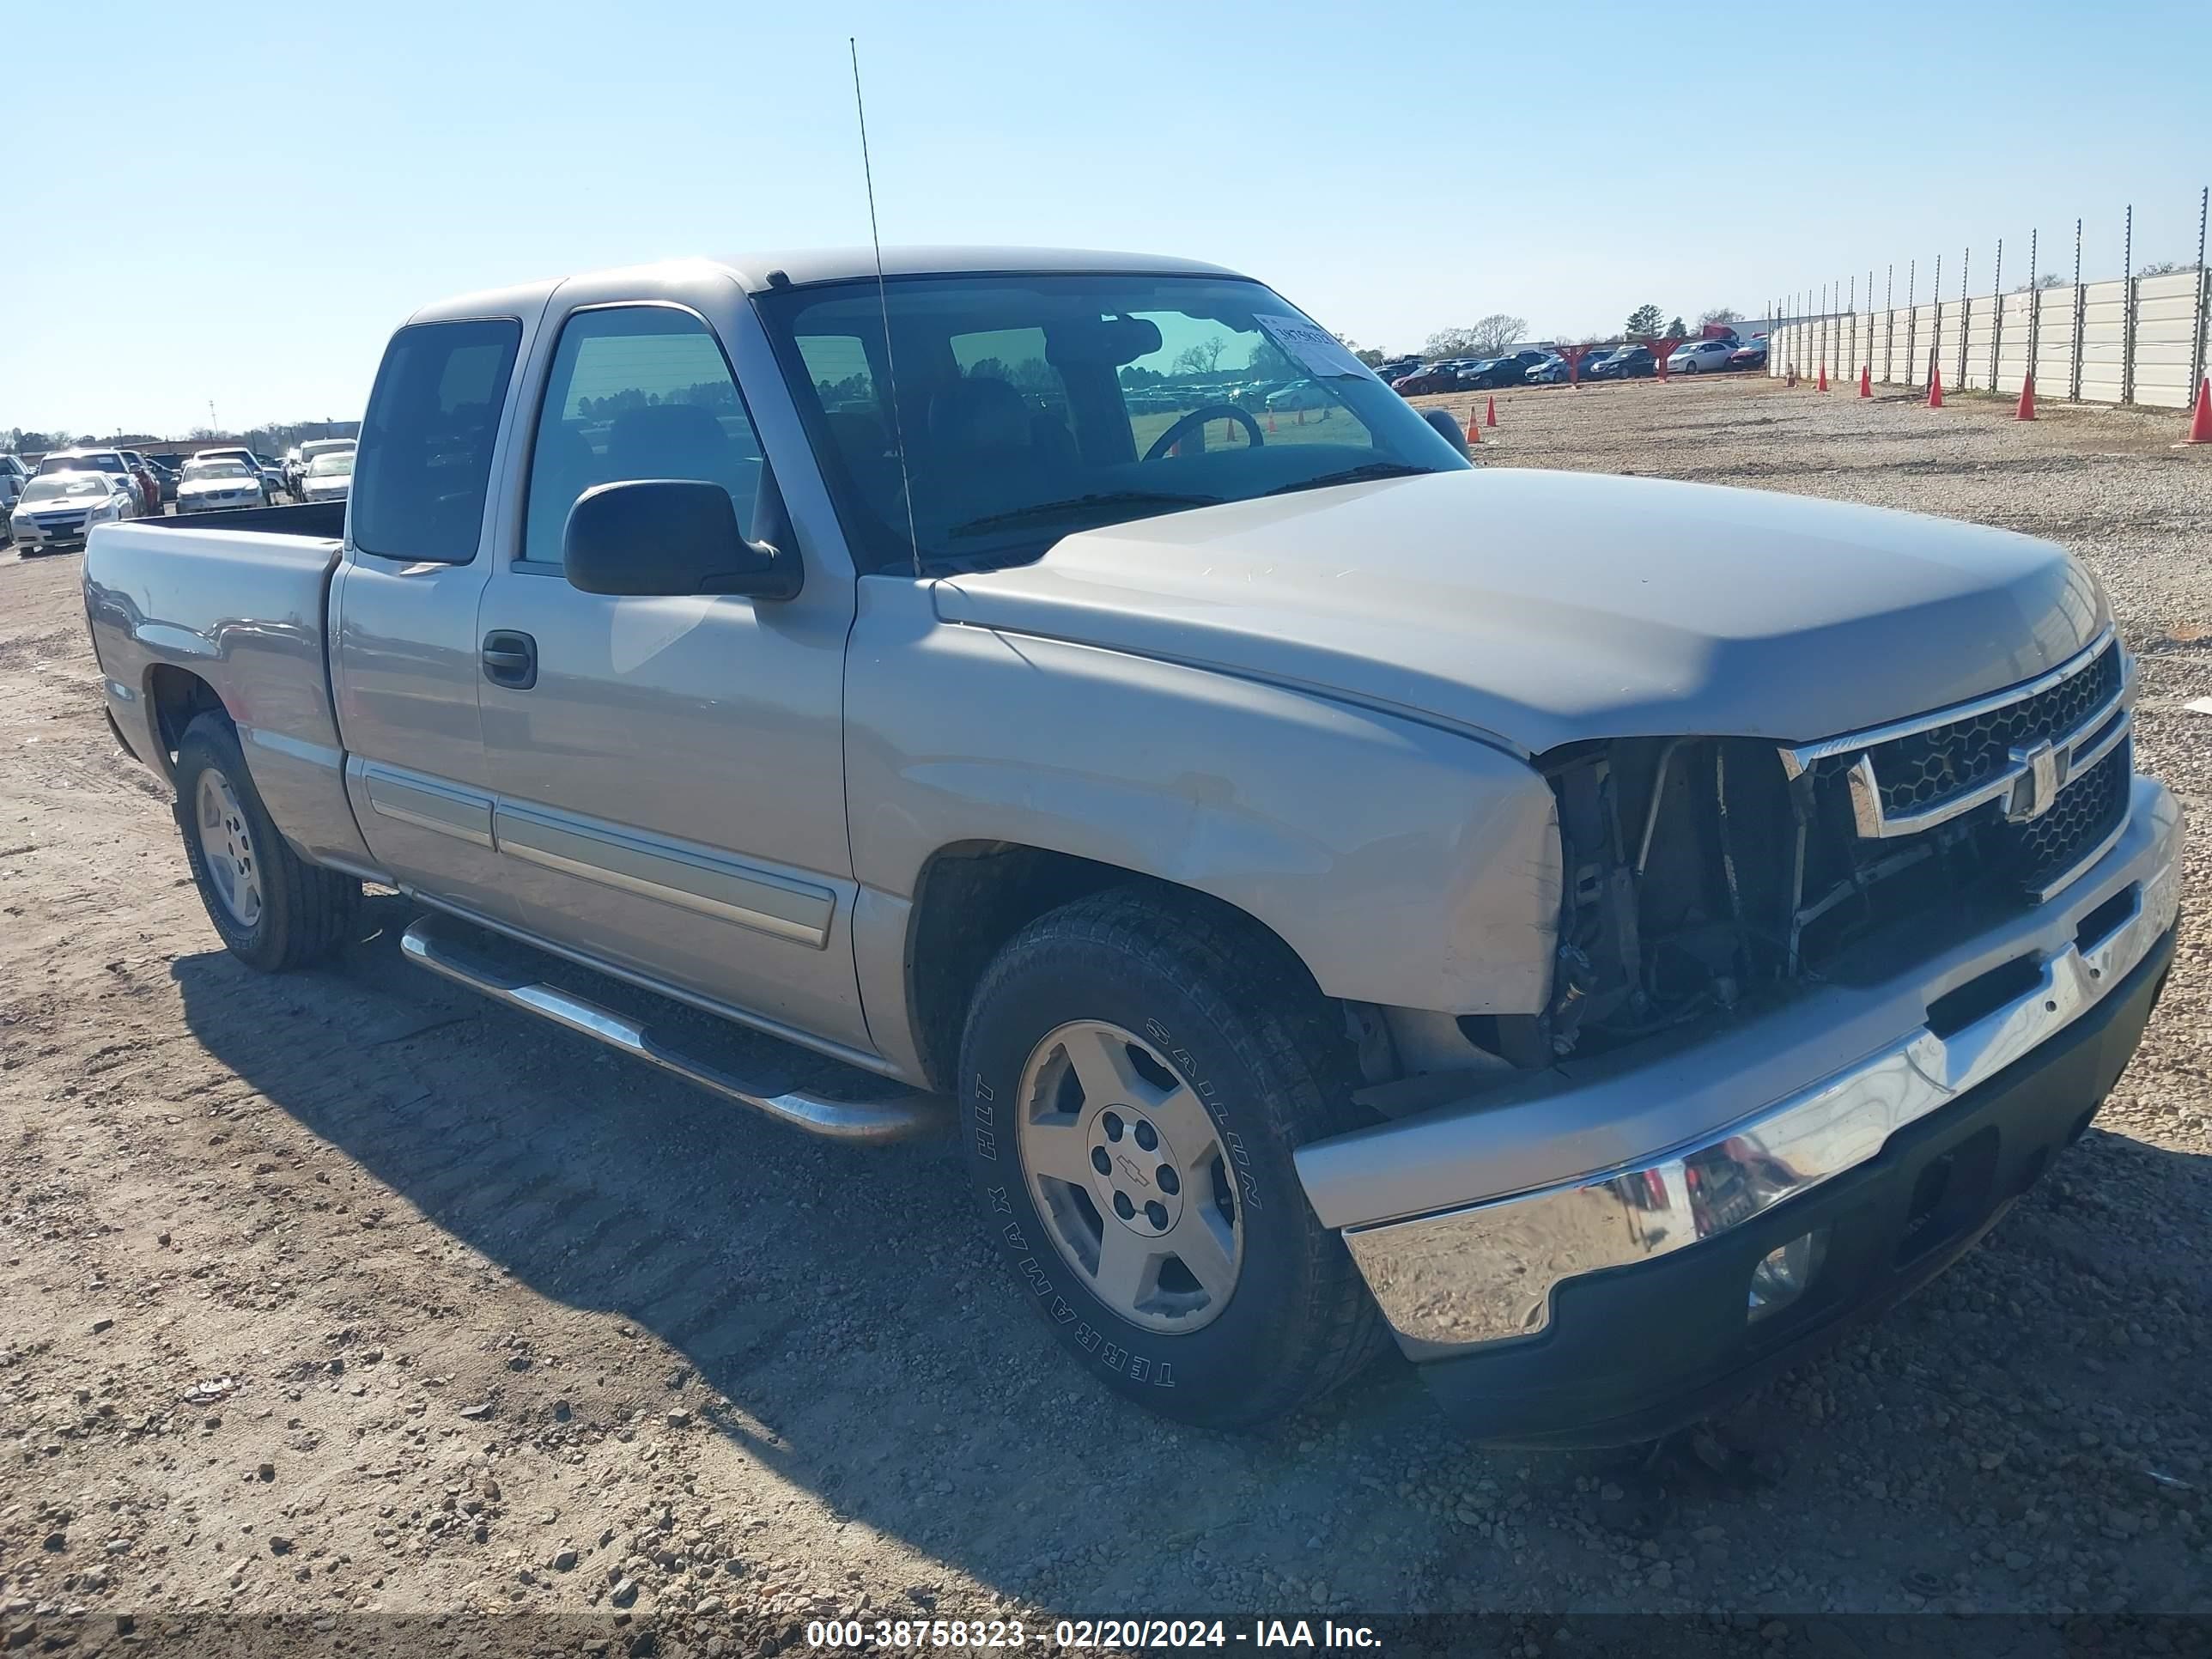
x=670 y=770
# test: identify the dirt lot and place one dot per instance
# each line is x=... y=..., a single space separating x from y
x=346 y=1291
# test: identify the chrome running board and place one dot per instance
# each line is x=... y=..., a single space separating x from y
x=895 y=1114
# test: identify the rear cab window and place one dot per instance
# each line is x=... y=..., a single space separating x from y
x=423 y=464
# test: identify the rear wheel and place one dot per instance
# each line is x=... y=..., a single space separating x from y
x=1134 y=1078
x=274 y=909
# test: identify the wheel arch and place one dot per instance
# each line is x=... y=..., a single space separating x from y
x=972 y=897
x=174 y=698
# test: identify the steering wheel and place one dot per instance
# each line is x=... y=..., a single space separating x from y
x=1197 y=418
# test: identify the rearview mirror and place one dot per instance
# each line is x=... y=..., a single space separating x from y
x=669 y=536
x=1448 y=427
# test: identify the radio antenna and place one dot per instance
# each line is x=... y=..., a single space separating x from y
x=883 y=298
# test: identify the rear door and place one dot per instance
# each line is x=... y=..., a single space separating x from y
x=671 y=770
x=404 y=612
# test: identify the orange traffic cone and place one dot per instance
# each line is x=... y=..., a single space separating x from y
x=1935 y=388
x=1271 y=420
x=2026 y=411
x=1821 y=385
x=2200 y=428
x=1473 y=428
x=1490 y=419
x=1866 y=381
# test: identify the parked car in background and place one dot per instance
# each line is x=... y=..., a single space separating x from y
x=211 y=482
x=1426 y=382
x=272 y=474
x=1395 y=368
x=311 y=451
x=167 y=476
x=328 y=478
x=1629 y=363
x=245 y=458
x=89 y=459
x=58 y=509
x=1512 y=368
x=1301 y=394
x=1701 y=357
x=1748 y=354
x=1552 y=370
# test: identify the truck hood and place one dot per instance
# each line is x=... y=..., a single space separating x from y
x=1536 y=608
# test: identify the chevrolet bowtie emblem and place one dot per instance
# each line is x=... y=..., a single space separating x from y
x=2032 y=795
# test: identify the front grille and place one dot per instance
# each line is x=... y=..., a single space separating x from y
x=2087 y=810
x=1916 y=772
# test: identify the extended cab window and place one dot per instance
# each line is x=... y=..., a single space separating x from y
x=636 y=392
x=426 y=442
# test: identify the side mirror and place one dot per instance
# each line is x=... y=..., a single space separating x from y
x=1446 y=428
x=669 y=536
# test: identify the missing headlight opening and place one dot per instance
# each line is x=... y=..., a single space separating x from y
x=1700 y=875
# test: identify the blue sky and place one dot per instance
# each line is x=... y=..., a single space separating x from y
x=239 y=211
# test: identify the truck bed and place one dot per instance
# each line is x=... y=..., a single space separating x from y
x=228 y=609
x=317 y=519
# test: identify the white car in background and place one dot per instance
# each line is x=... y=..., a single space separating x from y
x=329 y=477
x=245 y=458
x=58 y=509
x=1300 y=394
x=215 y=481
x=1702 y=355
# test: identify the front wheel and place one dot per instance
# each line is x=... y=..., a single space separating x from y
x=274 y=909
x=1134 y=1078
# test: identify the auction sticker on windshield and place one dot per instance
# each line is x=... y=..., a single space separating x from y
x=1321 y=351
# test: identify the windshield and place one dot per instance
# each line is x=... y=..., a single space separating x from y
x=1032 y=407
x=61 y=486
x=326 y=446
x=195 y=471
x=330 y=466
x=105 y=462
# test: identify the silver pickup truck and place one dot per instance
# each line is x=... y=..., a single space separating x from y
x=1605 y=934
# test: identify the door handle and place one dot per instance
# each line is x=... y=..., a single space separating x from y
x=509 y=658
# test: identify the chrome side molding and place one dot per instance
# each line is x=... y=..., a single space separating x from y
x=897 y=1115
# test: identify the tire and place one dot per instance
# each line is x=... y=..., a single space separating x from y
x=1689 y=369
x=1227 y=1037
x=300 y=912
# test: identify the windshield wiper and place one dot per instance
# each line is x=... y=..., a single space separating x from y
x=1037 y=510
x=1360 y=474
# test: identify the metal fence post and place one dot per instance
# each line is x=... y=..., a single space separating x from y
x=1966 y=315
x=1852 y=312
x=1867 y=362
x=1912 y=318
x=1996 y=316
x=1889 y=323
x=2128 y=309
x=1936 y=335
x=2081 y=312
x=2035 y=305
x=2204 y=298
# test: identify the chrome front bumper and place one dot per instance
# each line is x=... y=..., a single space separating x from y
x=1465 y=1221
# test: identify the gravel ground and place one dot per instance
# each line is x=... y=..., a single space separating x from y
x=346 y=1291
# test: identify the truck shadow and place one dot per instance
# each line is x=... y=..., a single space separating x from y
x=872 y=1350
